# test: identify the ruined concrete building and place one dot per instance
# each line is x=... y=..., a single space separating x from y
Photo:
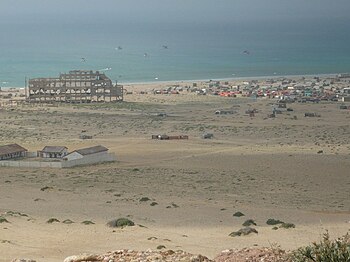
x=77 y=86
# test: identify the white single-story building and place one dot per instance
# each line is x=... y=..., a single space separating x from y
x=94 y=151
x=53 y=152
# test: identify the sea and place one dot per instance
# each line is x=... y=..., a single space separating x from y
x=148 y=52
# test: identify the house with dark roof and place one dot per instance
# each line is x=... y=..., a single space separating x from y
x=53 y=152
x=95 y=151
x=12 y=151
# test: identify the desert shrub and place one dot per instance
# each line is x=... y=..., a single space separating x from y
x=46 y=188
x=87 y=222
x=144 y=199
x=327 y=250
x=273 y=222
x=287 y=225
x=52 y=220
x=3 y=220
x=12 y=213
x=67 y=221
x=243 y=232
x=249 y=222
x=120 y=222
x=238 y=214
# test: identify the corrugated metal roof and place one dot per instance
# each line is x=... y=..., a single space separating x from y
x=53 y=149
x=91 y=150
x=11 y=149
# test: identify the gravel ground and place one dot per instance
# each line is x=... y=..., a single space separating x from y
x=244 y=255
x=247 y=254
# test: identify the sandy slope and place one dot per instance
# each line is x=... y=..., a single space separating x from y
x=265 y=168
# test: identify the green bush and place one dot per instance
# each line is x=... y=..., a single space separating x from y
x=120 y=222
x=249 y=222
x=161 y=247
x=144 y=199
x=3 y=220
x=52 y=220
x=12 y=213
x=287 y=225
x=327 y=250
x=67 y=221
x=273 y=222
x=87 y=222
x=238 y=214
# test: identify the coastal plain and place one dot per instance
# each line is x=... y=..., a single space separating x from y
x=181 y=194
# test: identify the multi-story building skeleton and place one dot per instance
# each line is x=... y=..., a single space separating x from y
x=77 y=86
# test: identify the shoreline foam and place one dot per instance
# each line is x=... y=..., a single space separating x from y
x=160 y=82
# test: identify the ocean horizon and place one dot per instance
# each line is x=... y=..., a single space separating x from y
x=151 y=52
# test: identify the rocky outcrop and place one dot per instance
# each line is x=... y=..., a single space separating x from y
x=253 y=255
x=231 y=255
x=148 y=255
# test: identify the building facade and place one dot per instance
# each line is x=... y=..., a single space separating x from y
x=95 y=151
x=12 y=151
x=78 y=86
x=53 y=152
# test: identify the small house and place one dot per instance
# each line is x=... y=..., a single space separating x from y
x=53 y=152
x=12 y=151
x=94 y=151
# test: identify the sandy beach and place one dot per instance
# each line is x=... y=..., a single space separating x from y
x=291 y=168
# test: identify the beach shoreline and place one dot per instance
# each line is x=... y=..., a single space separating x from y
x=230 y=79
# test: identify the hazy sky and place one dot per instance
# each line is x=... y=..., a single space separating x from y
x=174 y=11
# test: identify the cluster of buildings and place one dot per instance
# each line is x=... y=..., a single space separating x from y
x=330 y=88
x=335 y=88
x=15 y=152
x=12 y=151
